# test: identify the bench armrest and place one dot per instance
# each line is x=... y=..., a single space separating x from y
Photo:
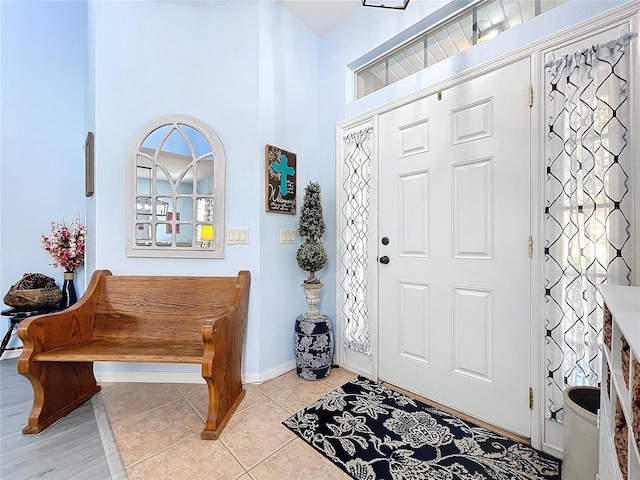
x=62 y=329
x=224 y=336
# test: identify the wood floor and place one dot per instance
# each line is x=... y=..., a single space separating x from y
x=79 y=446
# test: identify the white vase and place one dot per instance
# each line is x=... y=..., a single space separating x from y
x=312 y=297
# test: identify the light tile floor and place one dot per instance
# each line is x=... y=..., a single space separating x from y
x=157 y=428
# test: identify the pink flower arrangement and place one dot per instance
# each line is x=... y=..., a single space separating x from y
x=66 y=244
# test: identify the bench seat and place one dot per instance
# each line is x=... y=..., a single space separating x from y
x=144 y=351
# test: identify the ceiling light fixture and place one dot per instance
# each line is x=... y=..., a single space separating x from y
x=487 y=30
x=396 y=4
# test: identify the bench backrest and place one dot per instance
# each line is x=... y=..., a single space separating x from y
x=160 y=307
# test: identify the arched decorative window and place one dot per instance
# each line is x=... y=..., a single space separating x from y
x=175 y=190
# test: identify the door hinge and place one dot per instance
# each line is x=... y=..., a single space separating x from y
x=530 y=398
x=530 y=246
x=530 y=96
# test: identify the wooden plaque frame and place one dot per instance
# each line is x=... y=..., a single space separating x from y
x=280 y=194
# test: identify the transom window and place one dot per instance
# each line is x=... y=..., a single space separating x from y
x=176 y=190
x=475 y=23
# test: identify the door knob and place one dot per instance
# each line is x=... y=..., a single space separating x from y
x=384 y=260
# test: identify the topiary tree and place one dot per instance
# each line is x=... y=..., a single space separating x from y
x=311 y=255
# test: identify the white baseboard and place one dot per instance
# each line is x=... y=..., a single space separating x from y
x=269 y=374
x=553 y=438
x=143 y=376
x=14 y=342
x=358 y=370
x=552 y=450
x=11 y=354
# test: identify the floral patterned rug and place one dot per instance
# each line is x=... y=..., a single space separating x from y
x=372 y=432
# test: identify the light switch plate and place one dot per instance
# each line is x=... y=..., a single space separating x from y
x=237 y=236
x=287 y=236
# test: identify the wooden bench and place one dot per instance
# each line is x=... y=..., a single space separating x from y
x=196 y=320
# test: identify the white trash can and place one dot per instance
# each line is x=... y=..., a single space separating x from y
x=580 y=433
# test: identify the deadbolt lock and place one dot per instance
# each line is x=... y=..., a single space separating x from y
x=385 y=240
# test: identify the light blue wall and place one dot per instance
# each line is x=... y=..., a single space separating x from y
x=43 y=63
x=90 y=125
x=289 y=54
x=197 y=58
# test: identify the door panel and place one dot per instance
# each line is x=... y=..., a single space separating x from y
x=473 y=209
x=414 y=321
x=414 y=204
x=473 y=325
x=455 y=204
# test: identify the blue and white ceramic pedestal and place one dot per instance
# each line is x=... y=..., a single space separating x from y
x=313 y=342
x=313 y=338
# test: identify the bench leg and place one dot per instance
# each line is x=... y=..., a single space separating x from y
x=222 y=404
x=58 y=388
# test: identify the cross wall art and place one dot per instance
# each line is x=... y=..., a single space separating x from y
x=280 y=188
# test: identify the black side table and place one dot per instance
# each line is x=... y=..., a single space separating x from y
x=17 y=315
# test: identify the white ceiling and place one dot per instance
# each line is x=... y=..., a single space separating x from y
x=320 y=15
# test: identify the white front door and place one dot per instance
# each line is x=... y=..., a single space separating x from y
x=454 y=300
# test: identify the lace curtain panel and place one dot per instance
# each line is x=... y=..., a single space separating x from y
x=354 y=235
x=588 y=208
